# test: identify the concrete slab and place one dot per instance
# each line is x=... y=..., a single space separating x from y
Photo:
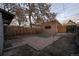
x=41 y=43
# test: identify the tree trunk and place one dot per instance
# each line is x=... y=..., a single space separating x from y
x=19 y=22
x=30 y=15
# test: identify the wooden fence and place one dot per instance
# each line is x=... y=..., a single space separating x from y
x=16 y=30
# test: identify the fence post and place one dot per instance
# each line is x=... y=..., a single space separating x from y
x=1 y=34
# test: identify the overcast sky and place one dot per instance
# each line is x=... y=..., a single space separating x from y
x=66 y=11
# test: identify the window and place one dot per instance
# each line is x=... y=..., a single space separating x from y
x=47 y=27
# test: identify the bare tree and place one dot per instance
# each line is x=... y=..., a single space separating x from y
x=15 y=9
x=39 y=10
x=34 y=11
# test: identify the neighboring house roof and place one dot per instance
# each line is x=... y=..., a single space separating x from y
x=53 y=21
x=7 y=16
x=70 y=22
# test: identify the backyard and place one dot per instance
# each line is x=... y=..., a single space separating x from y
x=38 y=29
x=41 y=44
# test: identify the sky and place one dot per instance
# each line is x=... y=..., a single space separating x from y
x=66 y=11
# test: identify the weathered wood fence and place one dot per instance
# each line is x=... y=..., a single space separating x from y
x=16 y=30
